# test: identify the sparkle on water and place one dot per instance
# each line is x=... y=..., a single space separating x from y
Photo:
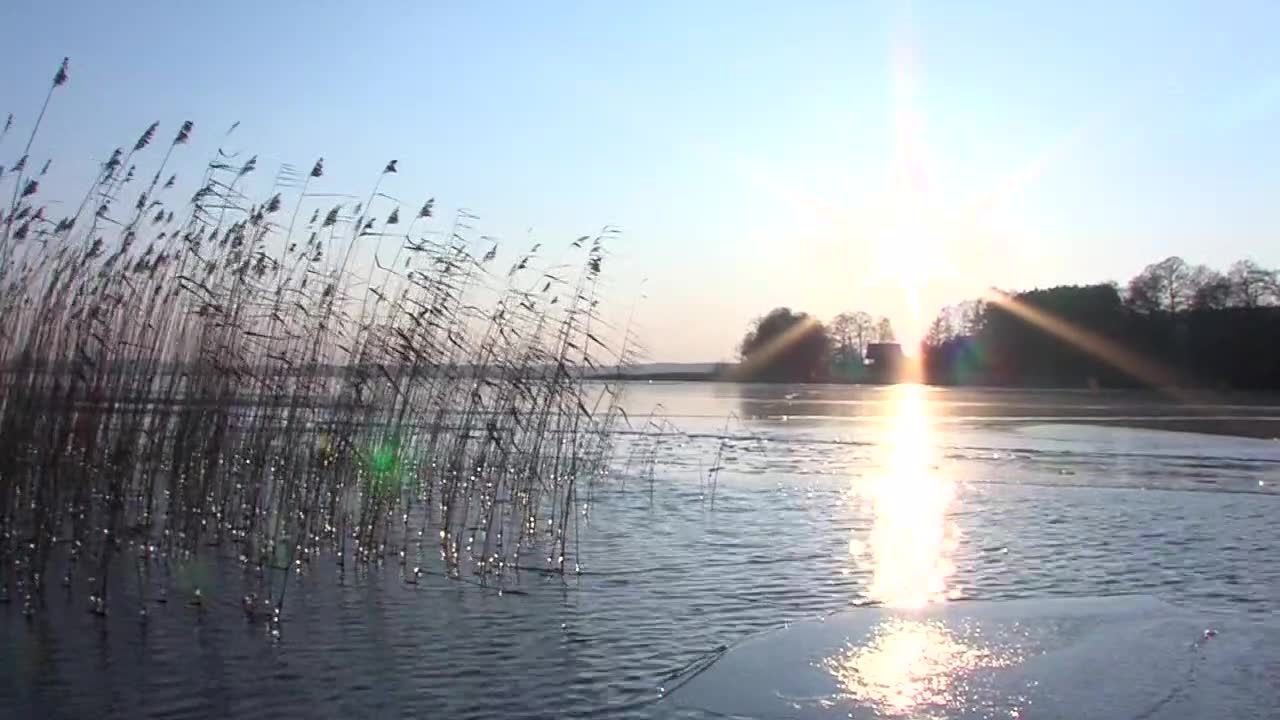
x=912 y=539
x=912 y=668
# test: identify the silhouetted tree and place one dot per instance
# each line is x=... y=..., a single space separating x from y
x=884 y=331
x=785 y=346
x=1166 y=285
x=959 y=320
x=970 y=316
x=850 y=332
x=1020 y=352
x=1210 y=289
x=1186 y=324
x=941 y=329
x=1252 y=285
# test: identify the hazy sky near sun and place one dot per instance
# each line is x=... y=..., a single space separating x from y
x=883 y=156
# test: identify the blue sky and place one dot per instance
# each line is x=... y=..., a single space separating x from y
x=882 y=156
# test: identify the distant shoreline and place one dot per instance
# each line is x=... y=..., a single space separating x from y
x=1227 y=412
x=1256 y=428
x=718 y=378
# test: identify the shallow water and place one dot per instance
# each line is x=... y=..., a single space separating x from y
x=1047 y=496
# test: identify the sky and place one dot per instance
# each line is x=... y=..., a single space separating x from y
x=890 y=157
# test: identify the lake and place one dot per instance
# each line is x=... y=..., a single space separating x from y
x=756 y=507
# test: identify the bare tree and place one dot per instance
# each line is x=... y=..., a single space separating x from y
x=842 y=334
x=1252 y=285
x=1209 y=289
x=1166 y=285
x=941 y=329
x=866 y=330
x=884 y=331
x=952 y=321
x=851 y=331
x=968 y=317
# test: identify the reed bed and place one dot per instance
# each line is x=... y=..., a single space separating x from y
x=278 y=380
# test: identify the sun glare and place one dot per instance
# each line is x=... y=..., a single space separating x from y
x=912 y=539
x=913 y=668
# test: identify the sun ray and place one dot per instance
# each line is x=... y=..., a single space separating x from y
x=1144 y=369
x=776 y=345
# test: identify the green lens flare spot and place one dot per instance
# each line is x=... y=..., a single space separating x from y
x=384 y=459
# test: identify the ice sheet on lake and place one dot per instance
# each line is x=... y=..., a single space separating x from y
x=1120 y=657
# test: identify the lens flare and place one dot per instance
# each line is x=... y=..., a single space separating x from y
x=1145 y=369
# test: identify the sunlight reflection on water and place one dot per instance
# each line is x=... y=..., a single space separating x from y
x=915 y=668
x=908 y=666
x=912 y=540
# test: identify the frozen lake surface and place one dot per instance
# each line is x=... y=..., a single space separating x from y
x=1117 y=657
x=982 y=527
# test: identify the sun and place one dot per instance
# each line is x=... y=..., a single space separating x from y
x=910 y=256
x=909 y=238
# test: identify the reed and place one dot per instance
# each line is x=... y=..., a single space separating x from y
x=219 y=376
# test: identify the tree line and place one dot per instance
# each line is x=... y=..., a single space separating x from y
x=789 y=346
x=1174 y=323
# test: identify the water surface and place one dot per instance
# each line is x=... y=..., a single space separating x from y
x=825 y=497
